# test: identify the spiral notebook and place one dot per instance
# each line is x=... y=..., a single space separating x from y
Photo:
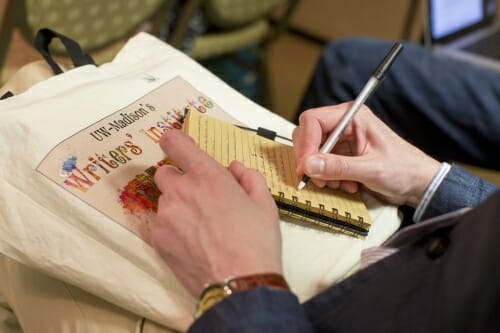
x=320 y=207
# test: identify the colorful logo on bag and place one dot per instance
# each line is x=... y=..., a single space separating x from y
x=140 y=196
x=68 y=166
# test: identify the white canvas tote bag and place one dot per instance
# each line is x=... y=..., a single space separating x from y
x=75 y=159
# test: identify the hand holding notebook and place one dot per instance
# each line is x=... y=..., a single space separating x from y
x=211 y=221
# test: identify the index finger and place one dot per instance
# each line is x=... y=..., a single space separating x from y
x=182 y=150
x=314 y=127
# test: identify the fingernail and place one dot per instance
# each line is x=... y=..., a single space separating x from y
x=315 y=166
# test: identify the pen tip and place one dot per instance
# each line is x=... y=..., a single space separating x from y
x=301 y=185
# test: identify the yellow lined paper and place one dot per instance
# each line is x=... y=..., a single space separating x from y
x=275 y=161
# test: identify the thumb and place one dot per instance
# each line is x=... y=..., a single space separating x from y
x=337 y=167
x=253 y=183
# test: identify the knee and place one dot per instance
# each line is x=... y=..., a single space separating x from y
x=352 y=50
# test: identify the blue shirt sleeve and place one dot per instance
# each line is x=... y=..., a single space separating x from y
x=257 y=310
x=458 y=189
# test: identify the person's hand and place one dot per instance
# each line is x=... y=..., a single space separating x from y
x=213 y=222
x=368 y=152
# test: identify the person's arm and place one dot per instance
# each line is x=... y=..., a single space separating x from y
x=372 y=154
x=457 y=189
x=214 y=223
x=257 y=310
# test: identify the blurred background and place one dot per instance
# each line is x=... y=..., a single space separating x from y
x=264 y=48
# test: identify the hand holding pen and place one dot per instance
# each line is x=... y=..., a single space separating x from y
x=374 y=81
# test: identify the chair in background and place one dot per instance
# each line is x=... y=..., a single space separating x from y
x=100 y=27
x=233 y=26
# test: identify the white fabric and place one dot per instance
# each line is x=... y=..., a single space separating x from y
x=47 y=228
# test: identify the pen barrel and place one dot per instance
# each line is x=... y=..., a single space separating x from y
x=334 y=136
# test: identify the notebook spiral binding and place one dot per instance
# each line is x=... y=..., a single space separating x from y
x=321 y=217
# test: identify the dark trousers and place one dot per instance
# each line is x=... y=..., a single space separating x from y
x=449 y=109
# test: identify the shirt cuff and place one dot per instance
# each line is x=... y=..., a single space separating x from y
x=430 y=190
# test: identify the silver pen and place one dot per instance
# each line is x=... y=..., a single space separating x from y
x=370 y=86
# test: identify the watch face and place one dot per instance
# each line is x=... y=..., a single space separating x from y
x=213 y=294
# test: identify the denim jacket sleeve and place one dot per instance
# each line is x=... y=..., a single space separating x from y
x=458 y=189
x=257 y=310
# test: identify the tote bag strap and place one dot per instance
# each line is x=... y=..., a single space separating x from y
x=78 y=57
x=42 y=40
x=6 y=95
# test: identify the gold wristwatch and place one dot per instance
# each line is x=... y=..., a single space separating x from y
x=216 y=292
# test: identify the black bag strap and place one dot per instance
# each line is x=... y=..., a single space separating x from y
x=6 y=95
x=78 y=57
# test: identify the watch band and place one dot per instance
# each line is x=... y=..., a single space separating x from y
x=243 y=283
x=216 y=292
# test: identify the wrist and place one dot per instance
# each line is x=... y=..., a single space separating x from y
x=215 y=292
x=421 y=180
x=430 y=190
